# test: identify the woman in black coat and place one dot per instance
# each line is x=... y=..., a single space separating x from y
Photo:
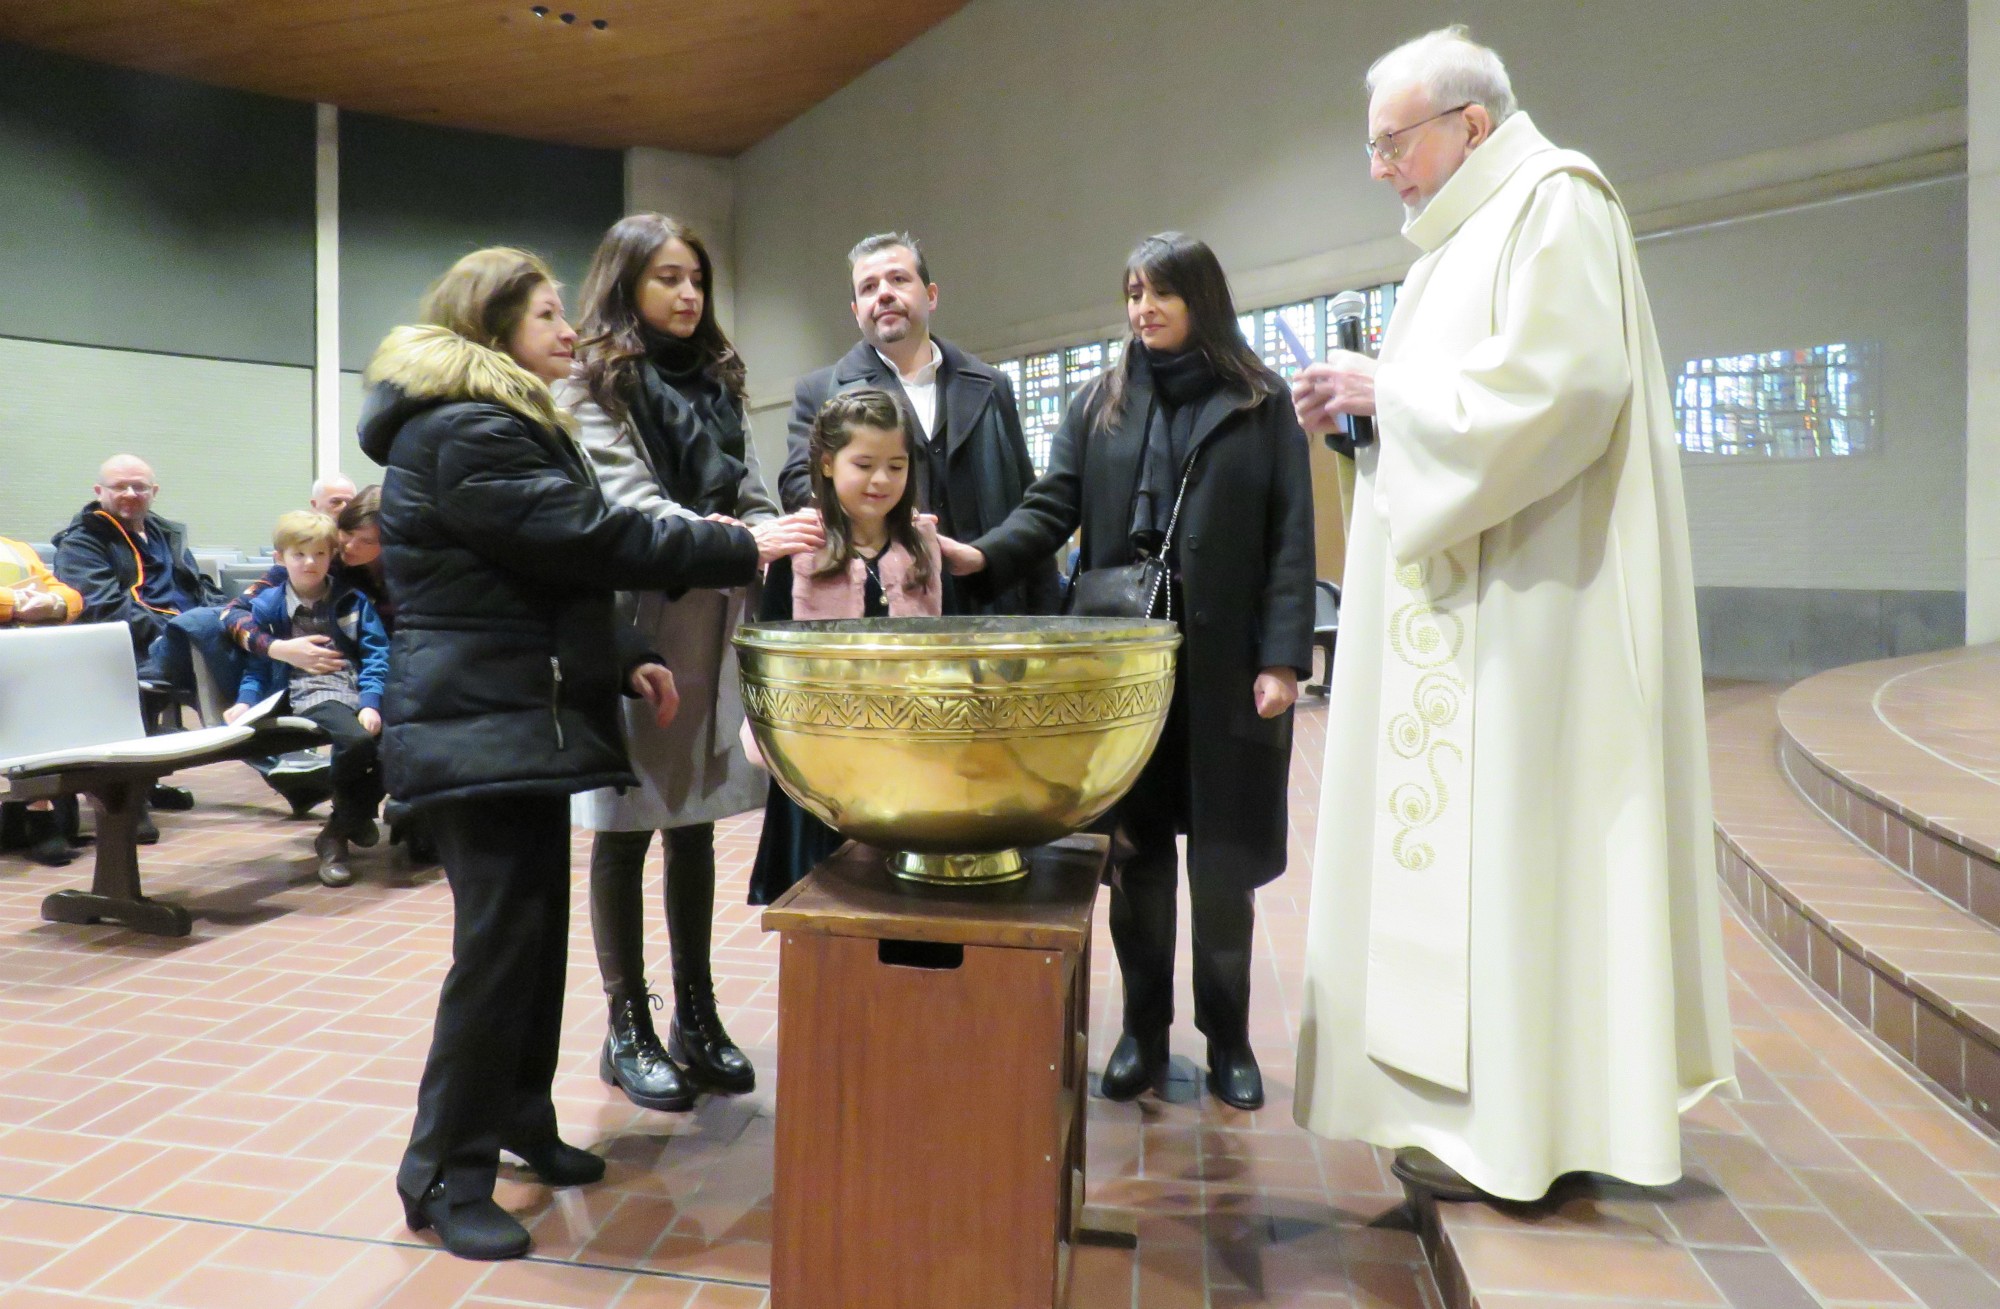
x=1189 y=399
x=502 y=700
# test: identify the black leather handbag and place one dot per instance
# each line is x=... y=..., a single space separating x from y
x=1134 y=590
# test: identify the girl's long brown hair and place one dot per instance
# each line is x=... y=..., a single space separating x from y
x=611 y=337
x=1174 y=263
x=832 y=429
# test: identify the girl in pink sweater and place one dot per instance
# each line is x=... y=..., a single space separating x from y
x=879 y=561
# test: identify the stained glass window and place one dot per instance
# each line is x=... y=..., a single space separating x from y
x=1080 y=364
x=1041 y=397
x=1046 y=383
x=1304 y=320
x=1816 y=402
x=1381 y=303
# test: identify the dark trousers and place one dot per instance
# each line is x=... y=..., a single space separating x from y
x=1144 y=890
x=493 y=1050
x=618 y=908
x=357 y=770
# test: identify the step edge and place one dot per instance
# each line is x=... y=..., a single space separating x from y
x=1902 y=850
x=1790 y=724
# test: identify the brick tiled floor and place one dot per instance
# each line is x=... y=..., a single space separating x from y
x=214 y=1122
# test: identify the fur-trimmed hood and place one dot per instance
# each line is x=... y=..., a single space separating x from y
x=418 y=368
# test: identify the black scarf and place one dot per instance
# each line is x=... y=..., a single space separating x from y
x=691 y=426
x=1181 y=381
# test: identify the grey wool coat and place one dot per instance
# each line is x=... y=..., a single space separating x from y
x=693 y=770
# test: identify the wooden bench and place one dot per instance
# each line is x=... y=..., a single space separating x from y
x=70 y=724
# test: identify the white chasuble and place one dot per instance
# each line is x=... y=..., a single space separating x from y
x=1514 y=948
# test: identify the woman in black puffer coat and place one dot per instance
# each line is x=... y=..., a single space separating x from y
x=504 y=677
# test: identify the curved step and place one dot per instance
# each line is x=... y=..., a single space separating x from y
x=1921 y=973
x=1904 y=754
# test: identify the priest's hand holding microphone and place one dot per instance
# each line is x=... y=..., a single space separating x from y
x=1336 y=399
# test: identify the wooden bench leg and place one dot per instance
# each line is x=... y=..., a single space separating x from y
x=114 y=893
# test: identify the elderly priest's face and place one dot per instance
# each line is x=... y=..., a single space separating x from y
x=1415 y=145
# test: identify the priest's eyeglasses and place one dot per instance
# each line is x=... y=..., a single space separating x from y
x=1390 y=147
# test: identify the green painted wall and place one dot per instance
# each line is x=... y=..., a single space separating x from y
x=156 y=277
x=229 y=441
x=150 y=213
x=415 y=198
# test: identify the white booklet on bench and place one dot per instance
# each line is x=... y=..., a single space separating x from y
x=170 y=748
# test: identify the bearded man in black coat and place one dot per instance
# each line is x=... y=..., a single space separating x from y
x=978 y=467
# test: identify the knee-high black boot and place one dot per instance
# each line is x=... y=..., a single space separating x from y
x=632 y=1060
x=696 y=1040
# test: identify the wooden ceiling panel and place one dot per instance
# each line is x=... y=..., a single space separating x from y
x=711 y=76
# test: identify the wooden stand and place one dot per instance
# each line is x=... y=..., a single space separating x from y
x=931 y=1084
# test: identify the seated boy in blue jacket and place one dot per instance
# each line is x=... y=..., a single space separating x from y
x=346 y=703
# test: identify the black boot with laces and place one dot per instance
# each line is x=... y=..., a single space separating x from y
x=633 y=1061
x=697 y=1042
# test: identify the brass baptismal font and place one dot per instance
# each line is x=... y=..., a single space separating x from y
x=953 y=743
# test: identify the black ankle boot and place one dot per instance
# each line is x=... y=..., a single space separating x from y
x=697 y=1042
x=1233 y=1076
x=633 y=1061
x=558 y=1163
x=478 y=1229
x=1135 y=1066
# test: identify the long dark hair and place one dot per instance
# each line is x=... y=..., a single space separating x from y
x=1174 y=263
x=612 y=338
x=363 y=509
x=832 y=429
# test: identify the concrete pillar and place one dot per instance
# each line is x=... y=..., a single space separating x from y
x=1982 y=327
x=326 y=292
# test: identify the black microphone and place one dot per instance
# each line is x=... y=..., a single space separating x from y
x=1345 y=313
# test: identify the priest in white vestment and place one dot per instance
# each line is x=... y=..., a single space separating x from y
x=1514 y=962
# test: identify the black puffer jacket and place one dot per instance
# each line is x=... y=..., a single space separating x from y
x=97 y=555
x=502 y=557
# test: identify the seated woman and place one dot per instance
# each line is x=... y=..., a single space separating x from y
x=502 y=701
x=31 y=595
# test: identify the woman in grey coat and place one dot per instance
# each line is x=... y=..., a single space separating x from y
x=658 y=396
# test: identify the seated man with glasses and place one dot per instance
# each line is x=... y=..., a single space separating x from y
x=134 y=567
